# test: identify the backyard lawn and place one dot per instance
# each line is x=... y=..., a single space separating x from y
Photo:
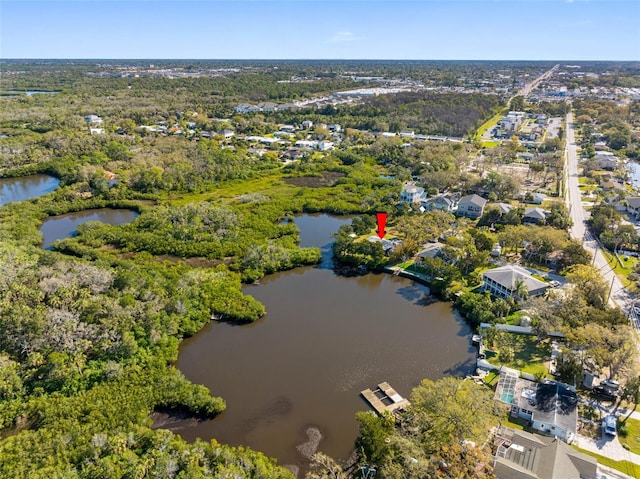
x=528 y=354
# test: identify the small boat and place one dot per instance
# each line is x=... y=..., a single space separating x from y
x=476 y=338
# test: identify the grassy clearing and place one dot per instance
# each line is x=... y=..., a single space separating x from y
x=632 y=439
x=529 y=355
x=626 y=467
x=491 y=122
x=622 y=268
x=491 y=379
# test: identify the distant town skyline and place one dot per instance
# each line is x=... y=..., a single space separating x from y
x=553 y=30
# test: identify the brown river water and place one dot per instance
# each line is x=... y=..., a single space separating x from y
x=324 y=339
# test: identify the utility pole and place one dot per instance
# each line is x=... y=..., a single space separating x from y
x=610 y=288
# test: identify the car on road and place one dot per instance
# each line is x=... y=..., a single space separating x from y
x=554 y=283
x=609 y=425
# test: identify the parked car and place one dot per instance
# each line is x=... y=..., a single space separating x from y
x=610 y=384
x=602 y=394
x=609 y=425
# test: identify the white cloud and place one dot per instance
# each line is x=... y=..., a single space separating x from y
x=343 y=37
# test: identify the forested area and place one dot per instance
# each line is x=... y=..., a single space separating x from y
x=90 y=330
x=447 y=114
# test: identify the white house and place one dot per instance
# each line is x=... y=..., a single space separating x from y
x=325 y=145
x=407 y=134
x=93 y=120
x=440 y=202
x=550 y=407
x=412 y=194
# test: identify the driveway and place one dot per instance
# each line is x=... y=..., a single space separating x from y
x=607 y=446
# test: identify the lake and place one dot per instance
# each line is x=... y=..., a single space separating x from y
x=65 y=226
x=26 y=187
x=324 y=339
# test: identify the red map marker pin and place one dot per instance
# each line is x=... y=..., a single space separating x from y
x=382 y=221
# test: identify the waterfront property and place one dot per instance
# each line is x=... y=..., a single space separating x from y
x=504 y=282
x=384 y=398
x=550 y=407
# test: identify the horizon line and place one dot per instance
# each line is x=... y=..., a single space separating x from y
x=4 y=59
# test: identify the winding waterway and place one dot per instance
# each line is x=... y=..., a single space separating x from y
x=26 y=187
x=64 y=226
x=324 y=339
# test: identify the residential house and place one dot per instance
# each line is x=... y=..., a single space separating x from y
x=503 y=282
x=387 y=245
x=325 y=145
x=96 y=131
x=227 y=133
x=533 y=198
x=334 y=128
x=306 y=144
x=550 y=407
x=535 y=216
x=267 y=106
x=407 y=134
x=471 y=206
x=504 y=208
x=288 y=128
x=307 y=124
x=430 y=250
x=246 y=108
x=293 y=154
x=633 y=206
x=440 y=202
x=93 y=120
x=607 y=160
x=522 y=455
x=388 y=134
x=412 y=194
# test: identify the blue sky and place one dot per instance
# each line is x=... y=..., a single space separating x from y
x=361 y=29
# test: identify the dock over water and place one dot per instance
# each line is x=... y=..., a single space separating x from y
x=384 y=398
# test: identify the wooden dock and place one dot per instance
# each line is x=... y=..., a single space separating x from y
x=384 y=398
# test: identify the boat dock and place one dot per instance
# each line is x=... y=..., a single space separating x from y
x=384 y=398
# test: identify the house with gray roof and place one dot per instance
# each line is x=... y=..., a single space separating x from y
x=534 y=215
x=503 y=282
x=522 y=455
x=633 y=205
x=504 y=208
x=440 y=202
x=471 y=206
x=550 y=407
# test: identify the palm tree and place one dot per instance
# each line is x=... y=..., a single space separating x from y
x=520 y=291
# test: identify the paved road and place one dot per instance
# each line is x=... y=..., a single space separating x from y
x=525 y=91
x=529 y=87
x=618 y=295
